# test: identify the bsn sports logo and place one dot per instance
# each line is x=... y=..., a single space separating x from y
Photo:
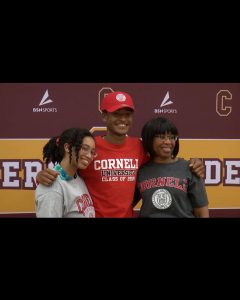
x=166 y=101
x=45 y=100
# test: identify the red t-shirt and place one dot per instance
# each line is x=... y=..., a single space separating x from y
x=111 y=177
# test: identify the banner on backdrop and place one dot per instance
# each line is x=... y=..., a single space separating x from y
x=205 y=114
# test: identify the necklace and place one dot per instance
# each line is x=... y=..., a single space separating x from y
x=63 y=175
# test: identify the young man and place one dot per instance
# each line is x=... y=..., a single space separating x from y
x=111 y=178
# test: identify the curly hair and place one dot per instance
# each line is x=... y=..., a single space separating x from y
x=54 y=151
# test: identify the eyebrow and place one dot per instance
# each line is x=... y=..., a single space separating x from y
x=89 y=147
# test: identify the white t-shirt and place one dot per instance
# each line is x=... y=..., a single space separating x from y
x=64 y=199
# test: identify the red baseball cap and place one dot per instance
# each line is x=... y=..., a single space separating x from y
x=117 y=100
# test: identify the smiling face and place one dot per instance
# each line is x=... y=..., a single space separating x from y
x=163 y=146
x=86 y=153
x=118 y=122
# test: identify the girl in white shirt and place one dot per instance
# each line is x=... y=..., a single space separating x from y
x=68 y=196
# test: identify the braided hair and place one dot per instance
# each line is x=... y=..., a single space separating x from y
x=54 y=150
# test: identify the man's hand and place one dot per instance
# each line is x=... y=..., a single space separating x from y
x=197 y=167
x=46 y=177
